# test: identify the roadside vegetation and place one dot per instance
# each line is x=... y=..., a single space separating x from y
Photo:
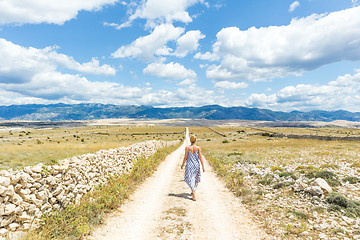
x=25 y=147
x=76 y=221
x=265 y=171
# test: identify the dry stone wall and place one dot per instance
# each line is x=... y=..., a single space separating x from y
x=28 y=193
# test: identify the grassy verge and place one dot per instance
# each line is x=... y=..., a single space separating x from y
x=26 y=147
x=74 y=222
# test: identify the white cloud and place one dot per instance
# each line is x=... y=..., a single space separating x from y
x=293 y=6
x=20 y=64
x=186 y=82
x=230 y=85
x=343 y=93
x=188 y=42
x=153 y=44
x=355 y=2
x=278 y=51
x=161 y=11
x=45 y=11
x=170 y=70
x=207 y=56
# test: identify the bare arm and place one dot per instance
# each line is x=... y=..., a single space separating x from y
x=201 y=159
x=185 y=157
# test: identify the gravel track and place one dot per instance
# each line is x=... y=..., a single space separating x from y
x=161 y=208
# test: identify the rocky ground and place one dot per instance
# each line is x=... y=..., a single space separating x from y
x=317 y=201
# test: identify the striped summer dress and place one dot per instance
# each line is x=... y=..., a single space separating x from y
x=192 y=169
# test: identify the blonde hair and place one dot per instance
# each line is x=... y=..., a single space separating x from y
x=192 y=139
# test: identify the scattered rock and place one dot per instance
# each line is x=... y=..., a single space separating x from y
x=319 y=182
x=314 y=190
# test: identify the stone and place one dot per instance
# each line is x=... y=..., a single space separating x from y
x=52 y=200
x=9 y=209
x=319 y=182
x=7 y=220
x=4 y=181
x=356 y=237
x=2 y=190
x=16 y=199
x=38 y=203
x=51 y=180
x=58 y=190
x=299 y=186
x=13 y=226
x=37 y=168
x=23 y=217
x=3 y=232
x=42 y=195
x=314 y=190
x=10 y=191
x=322 y=236
x=24 y=192
x=28 y=170
x=45 y=207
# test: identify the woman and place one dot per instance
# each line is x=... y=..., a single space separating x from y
x=193 y=159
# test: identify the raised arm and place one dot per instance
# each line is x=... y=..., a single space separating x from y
x=185 y=157
x=201 y=159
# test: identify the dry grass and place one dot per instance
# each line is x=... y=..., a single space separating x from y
x=286 y=219
x=31 y=146
x=276 y=151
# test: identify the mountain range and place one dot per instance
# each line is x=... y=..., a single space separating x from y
x=64 y=112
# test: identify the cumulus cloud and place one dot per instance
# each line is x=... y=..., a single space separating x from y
x=343 y=93
x=154 y=44
x=170 y=70
x=21 y=64
x=44 y=11
x=207 y=56
x=188 y=42
x=293 y=6
x=277 y=51
x=230 y=85
x=161 y=11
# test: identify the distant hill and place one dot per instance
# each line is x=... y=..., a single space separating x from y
x=63 y=112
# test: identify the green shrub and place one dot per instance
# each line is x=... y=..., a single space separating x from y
x=330 y=177
x=225 y=141
x=351 y=180
x=266 y=180
x=288 y=174
x=340 y=202
x=299 y=215
x=235 y=154
x=273 y=169
x=282 y=184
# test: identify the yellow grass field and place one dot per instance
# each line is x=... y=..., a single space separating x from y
x=19 y=148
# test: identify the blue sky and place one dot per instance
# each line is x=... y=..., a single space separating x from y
x=282 y=55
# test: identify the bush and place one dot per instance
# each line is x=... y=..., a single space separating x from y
x=339 y=202
x=288 y=174
x=235 y=154
x=282 y=184
x=225 y=141
x=273 y=169
x=351 y=180
x=266 y=180
x=330 y=177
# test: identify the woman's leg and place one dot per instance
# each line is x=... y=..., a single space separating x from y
x=193 y=195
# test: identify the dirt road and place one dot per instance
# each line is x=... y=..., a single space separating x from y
x=162 y=209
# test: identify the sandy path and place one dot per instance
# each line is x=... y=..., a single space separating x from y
x=161 y=209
